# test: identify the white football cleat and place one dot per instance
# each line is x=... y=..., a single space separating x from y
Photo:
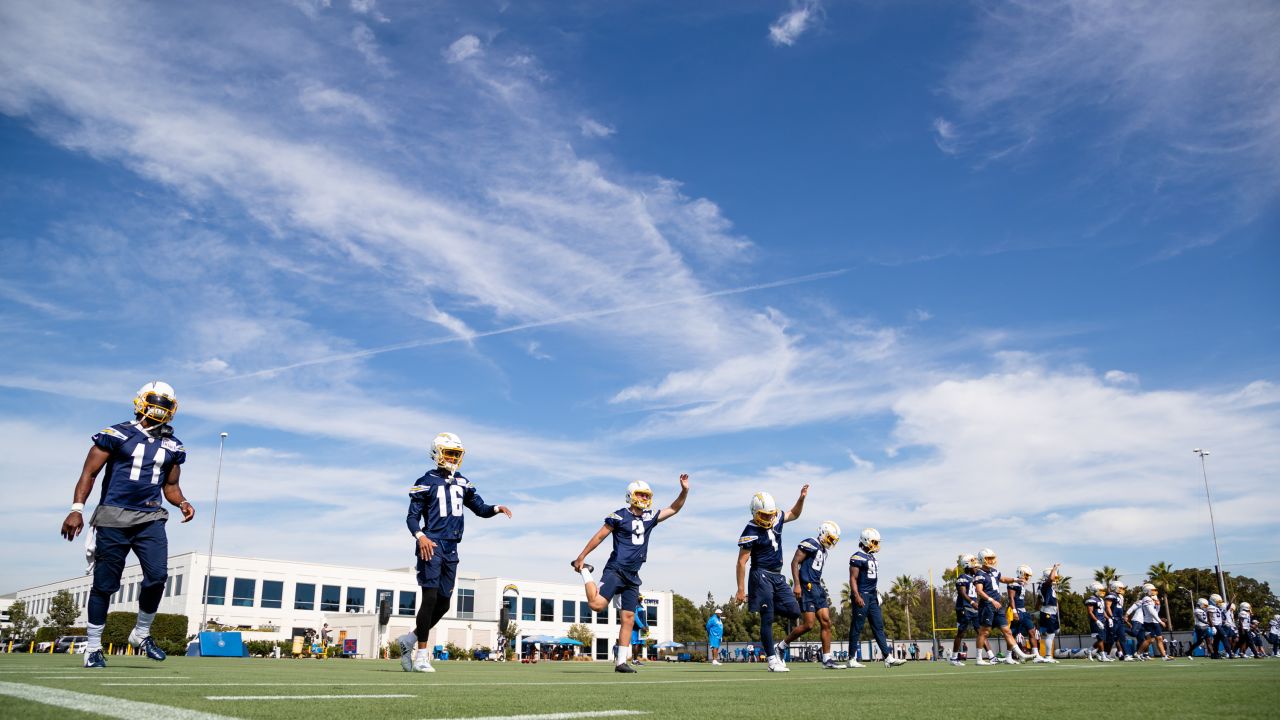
x=776 y=665
x=715 y=662
x=408 y=644
x=1039 y=659
x=853 y=663
x=983 y=663
x=1010 y=660
x=893 y=661
x=1050 y=660
x=422 y=661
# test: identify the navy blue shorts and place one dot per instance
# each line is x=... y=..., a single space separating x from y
x=1023 y=624
x=988 y=616
x=1116 y=633
x=441 y=571
x=770 y=589
x=1097 y=631
x=966 y=619
x=1228 y=631
x=623 y=583
x=1049 y=624
x=814 y=598
x=1152 y=629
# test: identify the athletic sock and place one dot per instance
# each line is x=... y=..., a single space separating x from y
x=586 y=576
x=143 y=626
x=624 y=652
x=826 y=657
x=95 y=638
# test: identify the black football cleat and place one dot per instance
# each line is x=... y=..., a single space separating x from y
x=623 y=668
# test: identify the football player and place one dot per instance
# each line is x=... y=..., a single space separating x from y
x=1249 y=639
x=1227 y=632
x=1114 y=610
x=1098 y=622
x=990 y=613
x=630 y=527
x=1273 y=634
x=1203 y=630
x=435 y=520
x=1049 y=619
x=1216 y=635
x=966 y=606
x=811 y=591
x=864 y=570
x=143 y=461
x=1146 y=610
x=1022 y=622
x=761 y=542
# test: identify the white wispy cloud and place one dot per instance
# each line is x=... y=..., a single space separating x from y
x=463 y=48
x=332 y=101
x=789 y=26
x=367 y=43
x=595 y=129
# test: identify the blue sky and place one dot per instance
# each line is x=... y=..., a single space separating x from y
x=981 y=273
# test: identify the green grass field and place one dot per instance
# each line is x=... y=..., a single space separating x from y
x=35 y=686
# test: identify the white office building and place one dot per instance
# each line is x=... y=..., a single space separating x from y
x=278 y=599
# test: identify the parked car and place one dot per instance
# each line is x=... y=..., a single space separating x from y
x=64 y=643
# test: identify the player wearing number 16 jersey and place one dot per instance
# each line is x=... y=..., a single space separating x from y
x=630 y=528
x=435 y=518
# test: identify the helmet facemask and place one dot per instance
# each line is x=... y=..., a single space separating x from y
x=155 y=403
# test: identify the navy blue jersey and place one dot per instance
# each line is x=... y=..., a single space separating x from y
x=138 y=464
x=1019 y=591
x=1095 y=602
x=765 y=544
x=1048 y=595
x=815 y=558
x=1117 y=605
x=630 y=537
x=436 y=502
x=964 y=591
x=868 y=571
x=990 y=582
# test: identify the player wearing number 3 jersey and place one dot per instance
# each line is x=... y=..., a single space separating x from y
x=620 y=581
x=435 y=519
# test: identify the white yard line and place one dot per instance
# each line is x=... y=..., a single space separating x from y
x=86 y=676
x=305 y=697
x=102 y=705
x=558 y=715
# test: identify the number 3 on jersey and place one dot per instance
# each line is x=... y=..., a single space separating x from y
x=637 y=532
x=453 y=503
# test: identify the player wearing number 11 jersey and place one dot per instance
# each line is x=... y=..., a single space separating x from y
x=435 y=519
x=620 y=581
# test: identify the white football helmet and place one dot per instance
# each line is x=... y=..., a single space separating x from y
x=1024 y=572
x=968 y=562
x=764 y=511
x=1246 y=606
x=988 y=557
x=828 y=534
x=156 y=401
x=447 y=452
x=870 y=540
x=1148 y=588
x=1048 y=572
x=1202 y=603
x=1216 y=599
x=640 y=495
x=1118 y=586
x=1098 y=589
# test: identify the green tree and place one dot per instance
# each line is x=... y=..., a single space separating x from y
x=1106 y=575
x=1161 y=575
x=582 y=634
x=687 y=623
x=24 y=624
x=62 y=612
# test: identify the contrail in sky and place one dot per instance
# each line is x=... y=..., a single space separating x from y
x=571 y=317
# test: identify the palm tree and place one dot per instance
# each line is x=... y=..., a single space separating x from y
x=903 y=589
x=1064 y=584
x=1161 y=575
x=1106 y=575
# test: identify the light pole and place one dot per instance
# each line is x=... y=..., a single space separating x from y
x=213 y=526
x=1222 y=584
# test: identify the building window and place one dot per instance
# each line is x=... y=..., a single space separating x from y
x=509 y=603
x=584 y=611
x=304 y=596
x=272 y=593
x=131 y=587
x=408 y=600
x=215 y=590
x=242 y=592
x=548 y=610
x=528 y=609
x=168 y=586
x=330 y=598
x=651 y=614
x=177 y=586
x=566 y=611
x=355 y=600
x=466 y=606
x=602 y=617
x=387 y=595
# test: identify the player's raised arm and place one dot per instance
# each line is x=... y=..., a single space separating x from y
x=678 y=503
x=592 y=544
x=476 y=504
x=796 y=509
x=93 y=463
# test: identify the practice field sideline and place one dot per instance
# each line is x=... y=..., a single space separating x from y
x=42 y=686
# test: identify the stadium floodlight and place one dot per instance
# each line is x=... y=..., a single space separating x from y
x=213 y=526
x=1222 y=583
